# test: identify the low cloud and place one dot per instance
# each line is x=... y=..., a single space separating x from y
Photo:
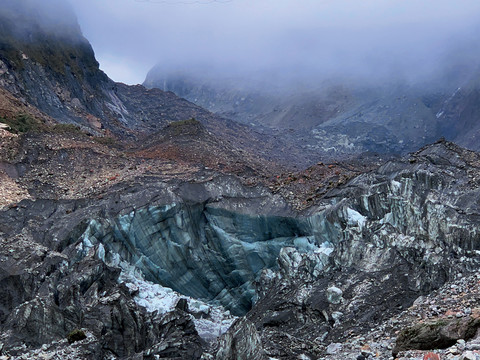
x=309 y=39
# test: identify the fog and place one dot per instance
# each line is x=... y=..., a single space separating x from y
x=305 y=40
x=25 y=19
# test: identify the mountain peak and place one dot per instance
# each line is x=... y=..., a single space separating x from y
x=47 y=33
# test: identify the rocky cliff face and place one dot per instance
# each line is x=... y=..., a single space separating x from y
x=47 y=62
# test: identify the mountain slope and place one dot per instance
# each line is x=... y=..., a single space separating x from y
x=338 y=117
x=47 y=62
x=50 y=65
x=249 y=100
x=459 y=116
x=190 y=142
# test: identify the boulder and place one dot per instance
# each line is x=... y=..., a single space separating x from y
x=438 y=334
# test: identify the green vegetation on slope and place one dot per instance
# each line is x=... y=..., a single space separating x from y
x=23 y=123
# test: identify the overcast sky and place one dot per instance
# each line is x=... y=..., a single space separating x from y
x=322 y=36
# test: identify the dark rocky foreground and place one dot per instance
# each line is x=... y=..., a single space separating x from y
x=299 y=282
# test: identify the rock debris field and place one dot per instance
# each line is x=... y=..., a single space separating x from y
x=450 y=315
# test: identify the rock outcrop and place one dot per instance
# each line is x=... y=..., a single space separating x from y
x=438 y=334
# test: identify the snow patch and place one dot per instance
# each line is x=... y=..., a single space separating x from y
x=101 y=252
x=325 y=248
x=210 y=321
x=354 y=218
x=388 y=219
x=396 y=186
x=365 y=202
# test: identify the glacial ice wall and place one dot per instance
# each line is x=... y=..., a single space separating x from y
x=201 y=251
x=417 y=214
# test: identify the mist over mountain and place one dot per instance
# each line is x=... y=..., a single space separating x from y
x=311 y=41
x=25 y=25
x=344 y=116
x=52 y=16
x=374 y=84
